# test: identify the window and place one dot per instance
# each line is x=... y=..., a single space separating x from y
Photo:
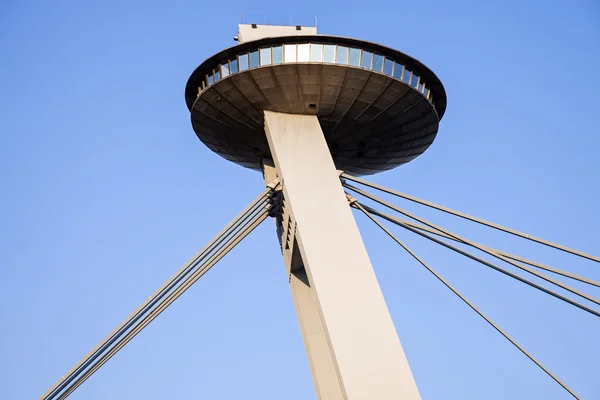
x=233 y=66
x=303 y=52
x=290 y=53
x=265 y=56
x=377 y=63
x=243 y=62
x=414 y=81
x=406 y=75
x=342 y=55
x=316 y=52
x=366 y=59
x=277 y=55
x=225 y=70
x=387 y=68
x=354 y=57
x=329 y=53
x=254 y=59
x=398 y=70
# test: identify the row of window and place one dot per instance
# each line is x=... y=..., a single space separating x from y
x=321 y=53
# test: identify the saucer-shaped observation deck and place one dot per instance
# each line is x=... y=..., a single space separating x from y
x=378 y=107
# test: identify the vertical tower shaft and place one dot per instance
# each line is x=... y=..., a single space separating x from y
x=351 y=342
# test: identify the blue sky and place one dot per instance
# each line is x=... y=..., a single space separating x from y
x=106 y=191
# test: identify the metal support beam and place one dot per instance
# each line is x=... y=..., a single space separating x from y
x=174 y=287
x=464 y=299
x=477 y=246
x=361 y=337
x=239 y=236
x=471 y=218
x=424 y=228
x=484 y=262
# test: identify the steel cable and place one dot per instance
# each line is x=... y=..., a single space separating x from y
x=470 y=218
x=258 y=203
x=466 y=301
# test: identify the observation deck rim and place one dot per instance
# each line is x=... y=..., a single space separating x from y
x=436 y=86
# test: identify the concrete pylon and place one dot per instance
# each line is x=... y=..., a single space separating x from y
x=350 y=339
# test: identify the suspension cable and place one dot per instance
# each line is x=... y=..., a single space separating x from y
x=256 y=220
x=152 y=300
x=466 y=301
x=490 y=265
x=259 y=202
x=505 y=254
x=471 y=218
x=481 y=248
